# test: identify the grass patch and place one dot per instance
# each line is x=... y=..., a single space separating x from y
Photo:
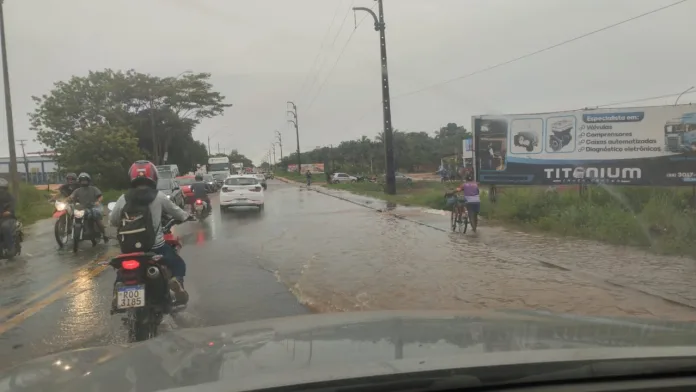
x=655 y=218
x=317 y=178
x=32 y=204
x=111 y=195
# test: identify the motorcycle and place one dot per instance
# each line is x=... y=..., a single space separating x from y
x=63 y=226
x=141 y=290
x=200 y=209
x=84 y=227
x=19 y=238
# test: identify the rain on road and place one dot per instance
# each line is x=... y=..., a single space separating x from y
x=309 y=251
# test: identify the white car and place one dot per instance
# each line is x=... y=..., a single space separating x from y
x=342 y=177
x=241 y=191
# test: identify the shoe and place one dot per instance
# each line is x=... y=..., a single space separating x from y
x=105 y=238
x=181 y=297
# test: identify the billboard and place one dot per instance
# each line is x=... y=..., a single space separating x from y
x=312 y=167
x=628 y=146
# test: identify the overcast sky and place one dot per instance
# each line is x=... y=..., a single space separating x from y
x=261 y=54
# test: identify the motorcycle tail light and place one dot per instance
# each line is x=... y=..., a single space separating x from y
x=130 y=264
x=199 y=201
x=257 y=189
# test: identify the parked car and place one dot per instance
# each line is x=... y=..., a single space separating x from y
x=172 y=189
x=342 y=178
x=241 y=191
x=400 y=178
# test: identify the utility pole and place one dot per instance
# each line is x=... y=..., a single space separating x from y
x=274 y=157
x=155 y=152
x=208 y=145
x=24 y=155
x=280 y=143
x=386 y=101
x=218 y=147
x=14 y=177
x=297 y=133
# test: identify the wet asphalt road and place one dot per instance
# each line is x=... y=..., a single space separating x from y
x=309 y=251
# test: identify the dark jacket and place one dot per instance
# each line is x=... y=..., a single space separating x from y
x=200 y=190
x=67 y=189
x=7 y=202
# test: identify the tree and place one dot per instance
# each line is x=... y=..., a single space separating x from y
x=236 y=157
x=161 y=111
x=104 y=152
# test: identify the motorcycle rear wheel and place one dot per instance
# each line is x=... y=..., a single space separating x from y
x=141 y=325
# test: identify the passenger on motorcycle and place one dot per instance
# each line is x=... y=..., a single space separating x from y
x=70 y=185
x=143 y=193
x=200 y=192
x=7 y=217
x=471 y=193
x=91 y=197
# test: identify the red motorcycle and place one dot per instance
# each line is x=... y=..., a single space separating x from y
x=63 y=226
x=141 y=289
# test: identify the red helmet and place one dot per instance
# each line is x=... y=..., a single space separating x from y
x=143 y=173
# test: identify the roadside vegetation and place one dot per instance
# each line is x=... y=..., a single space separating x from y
x=660 y=219
x=32 y=204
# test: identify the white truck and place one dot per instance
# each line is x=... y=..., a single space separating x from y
x=219 y=168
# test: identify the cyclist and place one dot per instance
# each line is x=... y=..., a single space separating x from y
x=471 y=194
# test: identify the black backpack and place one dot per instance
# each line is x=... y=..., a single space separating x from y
x=136 y=232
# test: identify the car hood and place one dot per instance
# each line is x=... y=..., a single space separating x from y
x=320 y=347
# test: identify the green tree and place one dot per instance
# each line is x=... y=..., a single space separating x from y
x=104 y=152
x=162 y=111
x=236 y=157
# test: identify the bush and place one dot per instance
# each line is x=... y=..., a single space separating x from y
x=32 y=204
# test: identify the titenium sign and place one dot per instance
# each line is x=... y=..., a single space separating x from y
x=633 y=146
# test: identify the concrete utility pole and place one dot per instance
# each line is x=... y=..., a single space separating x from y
x=297 y=133
x=14 y=176
x=386 y=102
x=274 y=157
x=208 y=145
x=280 y=143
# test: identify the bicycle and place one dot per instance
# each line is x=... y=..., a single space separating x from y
x=459 y=217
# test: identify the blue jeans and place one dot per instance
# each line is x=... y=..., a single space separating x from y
x=176 y=265
x=97 y=212
x=7 y=227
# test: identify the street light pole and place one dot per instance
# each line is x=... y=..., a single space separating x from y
x=297 y=133
x=14 y=176
x=386 y=102
x=280 y=143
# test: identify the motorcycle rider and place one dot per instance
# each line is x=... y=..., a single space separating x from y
x=91 y=197
x=309 y=177
x=7 y=217
x=200 y=192
x=70 y=185
x=143 y=192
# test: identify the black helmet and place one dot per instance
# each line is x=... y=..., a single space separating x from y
x=4 y=185
x=84 y=176
x=199 y=177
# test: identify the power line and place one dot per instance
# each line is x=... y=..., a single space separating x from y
x=644 y=99
x=539 y=51
x=321 y=47
x=333 y=43
x=345 y=46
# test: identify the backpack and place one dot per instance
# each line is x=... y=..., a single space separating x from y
x=136 y=232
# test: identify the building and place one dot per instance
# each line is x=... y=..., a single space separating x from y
x=38 y=169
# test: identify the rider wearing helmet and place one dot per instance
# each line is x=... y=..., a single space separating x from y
x=7 y=217
x=70 y=185
x=91 y=197
x=143 y=179
x=200 y=192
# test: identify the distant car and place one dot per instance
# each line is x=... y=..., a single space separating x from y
x=342 y=177
x=262 y=180
x=185 y=185
x=400 y=177
x=172 y=189
x=210 y=183
x=241 y=191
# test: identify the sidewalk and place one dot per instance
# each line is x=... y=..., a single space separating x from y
x=667 y=277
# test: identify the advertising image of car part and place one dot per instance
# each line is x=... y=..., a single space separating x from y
x=560 y=134
x=528 y=140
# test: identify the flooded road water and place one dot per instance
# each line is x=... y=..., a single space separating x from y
x=308 y=251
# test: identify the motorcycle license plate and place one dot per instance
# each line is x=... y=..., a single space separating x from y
x=199 y=207
x=131 y=297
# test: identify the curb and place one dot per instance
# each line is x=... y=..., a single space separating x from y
x=551 y=264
